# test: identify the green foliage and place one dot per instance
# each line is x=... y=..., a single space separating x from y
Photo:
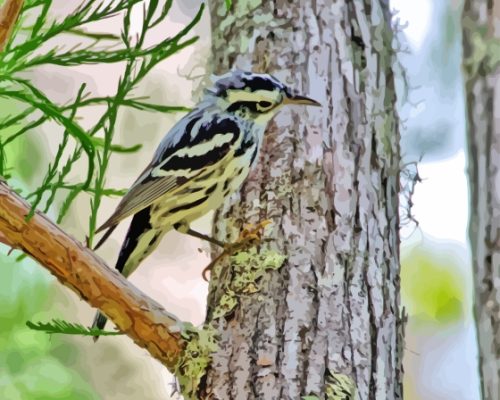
x=195 y=358
x=67 y=328
x=29 y=108
x=432 y=286
x=30 y=368
x=25 y=163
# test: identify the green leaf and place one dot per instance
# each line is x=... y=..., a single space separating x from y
x=28 y=4
x=76 y=57
x=90 y=56
x=99 y=142
x=16 y=119
x=114 y=192
x=229 y=3
x=93 y=35
x=40 y=21
x=166 y=8
x=153 y=107
x=67 y=203
x=68 y=328
x=24 y=129
x=133 y=102
x=85 y=13
x=52 y=171
x=38 y=100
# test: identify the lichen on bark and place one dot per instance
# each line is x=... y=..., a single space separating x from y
x=242 y=276
x=192 y=363
x=481 y=35
x=337 y=387
x=328 y=178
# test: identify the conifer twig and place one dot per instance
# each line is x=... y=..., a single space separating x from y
x=78 y=268
x=69 y=328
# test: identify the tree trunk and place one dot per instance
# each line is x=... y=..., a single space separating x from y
x=481 y=32
x=325 y=322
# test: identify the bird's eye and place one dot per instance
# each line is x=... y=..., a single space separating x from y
x=264 y=105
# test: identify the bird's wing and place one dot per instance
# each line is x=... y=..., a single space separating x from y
x=140 y=196
x=177 y=163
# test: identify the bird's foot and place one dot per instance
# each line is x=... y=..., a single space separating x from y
x=250 y=235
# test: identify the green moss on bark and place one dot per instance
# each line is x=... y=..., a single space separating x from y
x=194 y=360
x=248 y=269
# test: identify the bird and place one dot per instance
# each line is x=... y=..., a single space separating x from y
x=204 y=158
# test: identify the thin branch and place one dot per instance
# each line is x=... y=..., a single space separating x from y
x=78 y=268
x=8 y=18
x=5 y=240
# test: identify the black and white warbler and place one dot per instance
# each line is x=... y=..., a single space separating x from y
x=204 y=158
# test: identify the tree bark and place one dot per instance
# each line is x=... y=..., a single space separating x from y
x=76 y=267
x=481 y=34
x=326 y=320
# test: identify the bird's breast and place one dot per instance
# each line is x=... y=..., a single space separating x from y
x=209 y=190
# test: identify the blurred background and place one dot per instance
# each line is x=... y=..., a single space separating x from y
x=440 y=356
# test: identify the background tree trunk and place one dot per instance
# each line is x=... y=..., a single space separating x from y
x=328 y=178
x=481 y=24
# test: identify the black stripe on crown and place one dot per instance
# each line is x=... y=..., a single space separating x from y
x=246 y=81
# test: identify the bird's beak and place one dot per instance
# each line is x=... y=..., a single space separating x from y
x=297 y=99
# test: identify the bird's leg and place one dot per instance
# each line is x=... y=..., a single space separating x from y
x=250 y=235
x=184 y=228
x=202 y=236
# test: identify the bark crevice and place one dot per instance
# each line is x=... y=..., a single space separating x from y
x=323 y=178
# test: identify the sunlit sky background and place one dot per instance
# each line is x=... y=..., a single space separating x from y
x=441 y=203
x=441 y=208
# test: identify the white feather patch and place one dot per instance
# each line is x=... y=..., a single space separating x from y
x=235 y=95
x=204 y=147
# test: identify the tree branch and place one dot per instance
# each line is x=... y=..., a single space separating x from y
x=8 y=18
x=78 y=268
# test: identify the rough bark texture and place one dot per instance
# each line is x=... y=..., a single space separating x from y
x=481 y=35
x=328 y=178
x=78 y=268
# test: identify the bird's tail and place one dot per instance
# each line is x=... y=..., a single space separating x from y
x=141 y=236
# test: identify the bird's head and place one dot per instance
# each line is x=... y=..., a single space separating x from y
x=254 y=96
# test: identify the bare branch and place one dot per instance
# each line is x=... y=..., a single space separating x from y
x=78 y=268
x=8 y=18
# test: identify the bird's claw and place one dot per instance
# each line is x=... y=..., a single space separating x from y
x=251 y=234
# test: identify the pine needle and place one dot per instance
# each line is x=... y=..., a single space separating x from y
x=68 y=328
x=30 y=46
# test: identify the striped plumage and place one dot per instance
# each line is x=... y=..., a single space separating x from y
x=204 y=158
